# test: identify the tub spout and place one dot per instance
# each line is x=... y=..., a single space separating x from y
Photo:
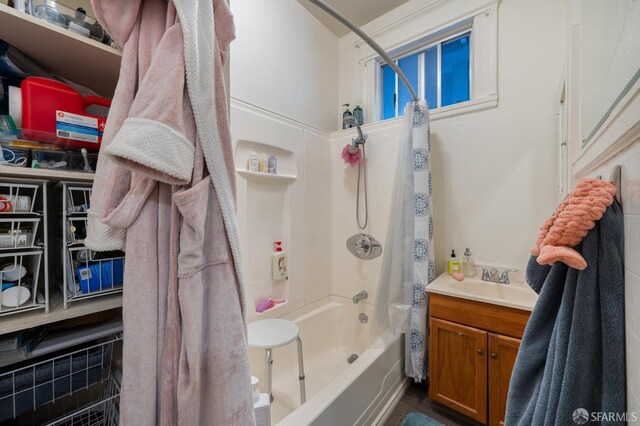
x=359 y=297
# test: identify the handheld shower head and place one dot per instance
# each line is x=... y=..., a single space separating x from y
x=362 y=137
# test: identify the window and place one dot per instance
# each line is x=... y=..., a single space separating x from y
x=440 y=72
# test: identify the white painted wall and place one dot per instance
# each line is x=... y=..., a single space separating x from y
x=285 y=61
x=495 y=170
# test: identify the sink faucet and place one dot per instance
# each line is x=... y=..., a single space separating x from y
x=494 y=276
x=359 y=297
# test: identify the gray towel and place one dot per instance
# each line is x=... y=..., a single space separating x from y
x=572 y=354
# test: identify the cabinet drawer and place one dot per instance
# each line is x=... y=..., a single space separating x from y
x=496 y=319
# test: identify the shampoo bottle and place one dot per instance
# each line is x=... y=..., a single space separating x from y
x=346 y=115
x=263 y=164
x=453 y=265
x=254 y=162
x=358 y=114
x=279 y=263
x=273 y=164
x=468 y=264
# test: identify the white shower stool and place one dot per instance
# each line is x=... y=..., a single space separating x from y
x=274 y=333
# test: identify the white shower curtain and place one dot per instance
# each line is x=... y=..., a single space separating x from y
x=408 y=263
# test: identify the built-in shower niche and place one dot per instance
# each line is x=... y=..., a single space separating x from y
x=287 y=168
x=265 y=216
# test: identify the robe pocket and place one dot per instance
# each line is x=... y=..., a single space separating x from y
x=203 y=238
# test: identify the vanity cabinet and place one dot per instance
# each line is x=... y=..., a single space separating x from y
x=472 y=351
x=459 y=367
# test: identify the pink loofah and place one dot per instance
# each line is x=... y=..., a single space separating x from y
x=351 y=159
x=572 y=221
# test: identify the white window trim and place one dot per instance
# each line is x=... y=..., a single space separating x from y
x=437 y=21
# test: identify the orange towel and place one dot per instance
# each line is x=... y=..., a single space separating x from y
x=571 y=221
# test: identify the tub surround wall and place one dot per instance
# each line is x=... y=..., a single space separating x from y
x=297 y=213
x=284 y=86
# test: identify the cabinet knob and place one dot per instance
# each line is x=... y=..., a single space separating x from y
x=480 y=351
x=494 y=355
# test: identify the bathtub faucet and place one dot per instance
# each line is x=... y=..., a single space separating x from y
x=359 y=297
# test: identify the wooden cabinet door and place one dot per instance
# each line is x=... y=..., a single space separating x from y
x=502 y=356
x=458 y=368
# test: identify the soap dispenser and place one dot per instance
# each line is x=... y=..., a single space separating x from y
x=358 y=115
x=453 y=265
x=468 y=264
x=346 y=114
x=279 y=263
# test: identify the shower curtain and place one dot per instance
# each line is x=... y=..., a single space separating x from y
x=408 y=263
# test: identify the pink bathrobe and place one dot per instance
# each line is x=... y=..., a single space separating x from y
x=164 y=193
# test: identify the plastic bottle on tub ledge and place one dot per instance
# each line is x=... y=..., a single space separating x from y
x=279 y=263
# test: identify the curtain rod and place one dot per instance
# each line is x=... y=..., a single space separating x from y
x=375 y=46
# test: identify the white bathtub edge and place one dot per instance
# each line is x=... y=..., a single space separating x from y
x=316 y=407
x=392 y=402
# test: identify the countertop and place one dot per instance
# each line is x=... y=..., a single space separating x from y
x=516 y=295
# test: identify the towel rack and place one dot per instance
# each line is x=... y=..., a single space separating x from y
x=616 y=179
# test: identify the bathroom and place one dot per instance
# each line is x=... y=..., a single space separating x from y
x=405 y=213
x=500 y=165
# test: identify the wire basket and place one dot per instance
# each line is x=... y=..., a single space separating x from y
x=63 y=387
x=22 y=282
x=20 y=198
x=105 y=412
x=84 y=274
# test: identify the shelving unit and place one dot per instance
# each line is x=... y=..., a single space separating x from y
x=48 y=174
x=83 y=274
x=58 y=313
x=95 y=66
x=64 y=53
x=23 y=216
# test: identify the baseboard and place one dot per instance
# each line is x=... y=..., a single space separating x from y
x=392 y=402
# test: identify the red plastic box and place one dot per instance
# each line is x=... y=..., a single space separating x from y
x=53 y=112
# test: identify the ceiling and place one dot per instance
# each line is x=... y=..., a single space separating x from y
x=359 y=12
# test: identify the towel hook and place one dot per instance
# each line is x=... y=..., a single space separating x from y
x=616 y=179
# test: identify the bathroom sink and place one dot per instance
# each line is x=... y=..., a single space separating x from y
x=514 y=295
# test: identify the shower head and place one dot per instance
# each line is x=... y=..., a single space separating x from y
x=362 y=137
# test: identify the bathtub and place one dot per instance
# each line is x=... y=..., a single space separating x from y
x=338 y=393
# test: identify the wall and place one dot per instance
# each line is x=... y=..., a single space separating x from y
x=494 y=170
x=285 y=61
x=616 y=143
x=296 y=212
x=629 y=160
x=283 y=90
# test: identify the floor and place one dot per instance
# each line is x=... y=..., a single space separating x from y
x=417 y=399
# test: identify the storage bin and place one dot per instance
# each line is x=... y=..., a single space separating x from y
x=20 y=197
x=63 y=160
x=21 y=277
x=100 y=275
x=39 y=383
x=13 y=156
x=18 y=233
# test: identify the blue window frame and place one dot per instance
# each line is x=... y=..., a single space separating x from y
x=441 y=73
